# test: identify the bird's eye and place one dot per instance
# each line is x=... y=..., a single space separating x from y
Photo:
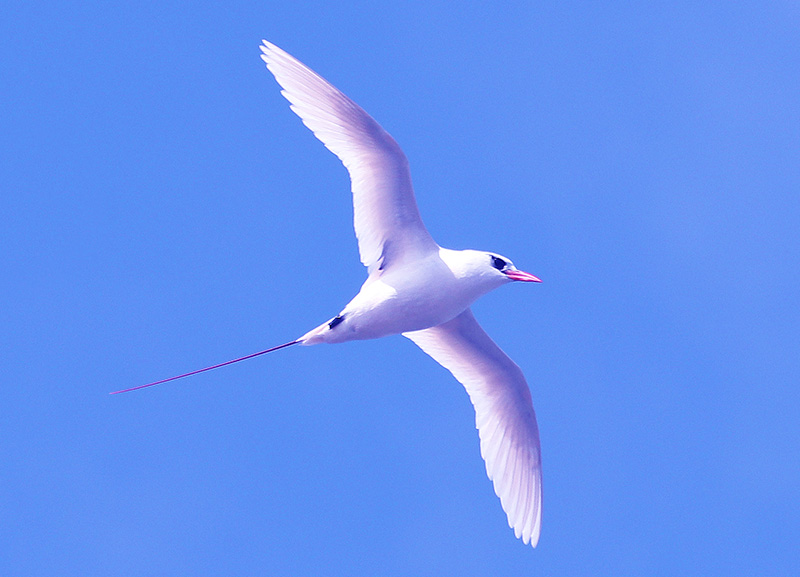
x=498 y=263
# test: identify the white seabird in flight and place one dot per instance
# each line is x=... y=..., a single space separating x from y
x=418 y=289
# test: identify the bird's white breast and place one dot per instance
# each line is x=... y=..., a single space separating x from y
x=410 y=297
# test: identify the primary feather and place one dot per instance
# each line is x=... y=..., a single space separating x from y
x=386 y=218
x=504 y=415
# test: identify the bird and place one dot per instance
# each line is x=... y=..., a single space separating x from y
x=418 y=289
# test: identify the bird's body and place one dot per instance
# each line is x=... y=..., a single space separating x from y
x=412 y=296
x=419 y=289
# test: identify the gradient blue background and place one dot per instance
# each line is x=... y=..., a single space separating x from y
x=163 y=210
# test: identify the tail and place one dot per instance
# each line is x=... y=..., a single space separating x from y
x=317 y=335
x=283 y=346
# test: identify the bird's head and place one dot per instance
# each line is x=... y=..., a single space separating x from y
x=487 y=269
x=504 y=266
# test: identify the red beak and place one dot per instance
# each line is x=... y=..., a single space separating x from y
x=520 y=275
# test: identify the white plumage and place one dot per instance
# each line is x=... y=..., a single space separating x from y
x=418 y=289
x=423 y=291
x=386 y=215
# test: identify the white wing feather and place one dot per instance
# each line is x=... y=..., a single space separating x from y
x=386 y=218
x=504 y=415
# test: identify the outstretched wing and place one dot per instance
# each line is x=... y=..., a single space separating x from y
x=387 y=221
x=504 y=415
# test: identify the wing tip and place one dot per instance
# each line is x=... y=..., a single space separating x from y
x=532 y=539
x=528 y=532
x=270 y=52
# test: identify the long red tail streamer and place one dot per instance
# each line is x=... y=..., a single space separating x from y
x=284 y=345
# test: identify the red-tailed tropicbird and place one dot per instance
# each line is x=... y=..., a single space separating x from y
x=418 y=289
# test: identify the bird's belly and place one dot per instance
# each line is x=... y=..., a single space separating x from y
x=381 y=309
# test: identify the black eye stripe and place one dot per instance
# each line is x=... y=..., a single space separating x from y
x=498 y=263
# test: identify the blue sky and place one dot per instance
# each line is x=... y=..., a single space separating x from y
x=164 y=210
